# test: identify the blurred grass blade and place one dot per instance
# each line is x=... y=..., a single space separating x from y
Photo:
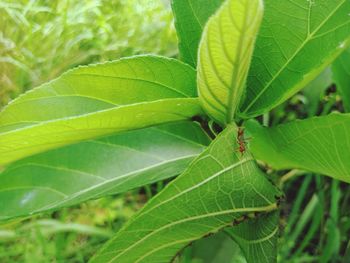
x=225 y=53
x=218 y=187
x=97 y=100
x=341 y=76
x=95 y=168
x=258 y=238
x=297 y=40
x=320 y=145
x=190 y=19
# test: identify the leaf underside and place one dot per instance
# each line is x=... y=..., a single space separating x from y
x=225 y=53
x=218 y=187
x=114 y=164
x=297 y=40
x=97 y=100
x=320 y=145
x=258 y=238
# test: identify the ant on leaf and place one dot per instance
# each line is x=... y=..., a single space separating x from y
x=241 y=141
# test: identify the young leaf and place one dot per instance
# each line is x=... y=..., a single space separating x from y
x=258 y=238
x=341 y=76
x=95 y=168
x=97 y=100
x=297 y=40
x=224 y=57
x=190 y=19
x=217 y=188
x=320 y=145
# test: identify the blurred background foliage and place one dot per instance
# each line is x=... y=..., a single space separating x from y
x=40 y=39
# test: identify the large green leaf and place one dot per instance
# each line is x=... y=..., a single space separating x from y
x=97 y=100
x=297 y=40
x=319 y=144
x=224 y=56
x=217 y=188
x=99 y=167
x=258 y=238
x=341 y=76
x=190 y=19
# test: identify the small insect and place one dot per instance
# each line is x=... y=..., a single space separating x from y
x=241 y=141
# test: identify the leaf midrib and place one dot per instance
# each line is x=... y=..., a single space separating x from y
x=43 y=123
x=270 y=207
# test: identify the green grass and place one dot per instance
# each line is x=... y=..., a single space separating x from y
x=40 y=39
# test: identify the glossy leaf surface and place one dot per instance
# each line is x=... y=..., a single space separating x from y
x=341 y=76
x=99 y=167
x=218 y=187
x=320 y=145
x=297 y=40
x=225 y=53
x=97 y=100
x=190 y=19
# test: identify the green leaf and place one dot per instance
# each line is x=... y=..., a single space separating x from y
x=341 y=76
x=320 y=145
x=190 y=19
x=224 y=57
x=297 y=40
x=216 y=248
x=95 y=168
x=258 y=238
x=97 y=100
x=217 y=188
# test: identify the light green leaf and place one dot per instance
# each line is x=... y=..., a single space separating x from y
x=99 y=167
x=341 y=76
x=258 y=238
x=224 y=57
x=97 y=100
x=319 y=144
x=190 y=19
x=217 y=188
x=297 y=40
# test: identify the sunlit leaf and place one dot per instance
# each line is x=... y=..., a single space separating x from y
x=224 y=56
x=97 y=100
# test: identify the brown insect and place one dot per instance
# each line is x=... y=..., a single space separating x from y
x=241 y=141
